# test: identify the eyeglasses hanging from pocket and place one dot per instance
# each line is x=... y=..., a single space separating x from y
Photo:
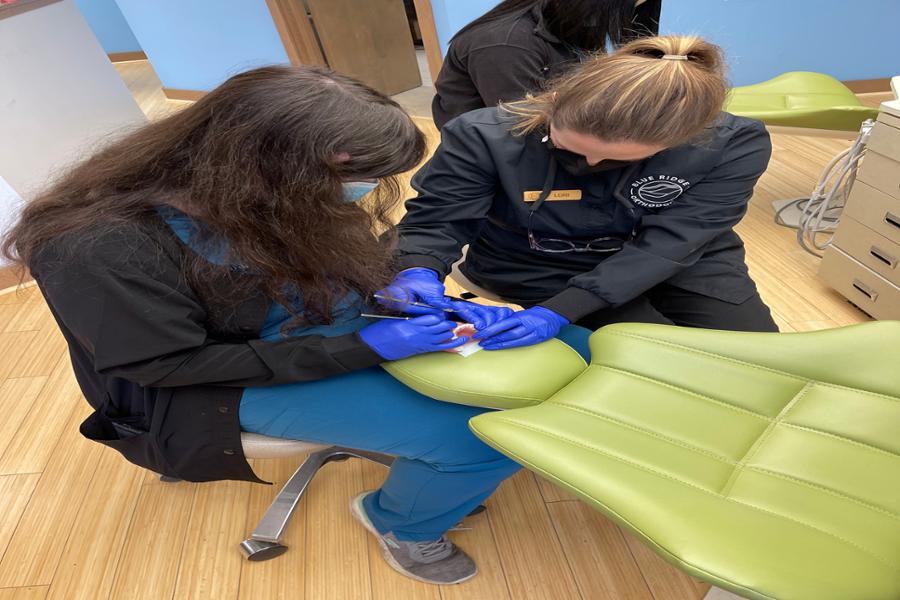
x=606 y=244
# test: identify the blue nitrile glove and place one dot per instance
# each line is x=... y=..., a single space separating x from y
x=524 y=328
x=394 y=339
x=419 y=285
x=480 y=315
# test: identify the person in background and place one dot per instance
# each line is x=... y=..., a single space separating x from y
x=209 y=272
x=611 y=197
x=520 y=44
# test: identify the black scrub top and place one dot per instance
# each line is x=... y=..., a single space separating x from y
x=674 y=213
x=505 y=59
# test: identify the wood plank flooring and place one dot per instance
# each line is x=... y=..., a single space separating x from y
x=78 y=522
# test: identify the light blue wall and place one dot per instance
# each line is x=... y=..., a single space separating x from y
x=197 y=44
x=855 y=39
x=108 y=25
x=452 y=15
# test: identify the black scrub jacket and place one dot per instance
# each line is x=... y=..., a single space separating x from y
x=164 y=369
x=502 y=60
x=675 y=212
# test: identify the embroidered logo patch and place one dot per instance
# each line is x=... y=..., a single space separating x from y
x=657 y=191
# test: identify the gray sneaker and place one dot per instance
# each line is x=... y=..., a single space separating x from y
x=439 y=562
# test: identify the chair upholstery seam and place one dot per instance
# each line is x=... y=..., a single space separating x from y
x=686 y=391
x=707 y=353
x=546 y=474
x=653 y=434
x=748 y=364
x=589 y=447
x=842 y=439
x=825 y=489
x=754 y=448
x=860 y=390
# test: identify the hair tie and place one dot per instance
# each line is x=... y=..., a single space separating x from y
x=674 y=57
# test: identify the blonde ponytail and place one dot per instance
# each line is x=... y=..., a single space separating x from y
x=659 y=90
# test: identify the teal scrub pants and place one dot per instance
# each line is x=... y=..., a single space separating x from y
x=442 y=471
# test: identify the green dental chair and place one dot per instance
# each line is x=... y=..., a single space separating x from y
x=806 y=103
x=801 y=103
x=765 y=464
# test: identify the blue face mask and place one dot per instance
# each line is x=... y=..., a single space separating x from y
x=354 y=191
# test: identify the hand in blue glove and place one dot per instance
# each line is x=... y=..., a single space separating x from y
x=480 y=315
x=419 y=285
x=394 y=339
x=524 y=328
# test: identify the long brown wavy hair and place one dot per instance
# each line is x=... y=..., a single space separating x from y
x=259 y=162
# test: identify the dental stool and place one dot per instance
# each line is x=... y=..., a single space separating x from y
x=766 y=464
x=265 y=541
x=473 y=290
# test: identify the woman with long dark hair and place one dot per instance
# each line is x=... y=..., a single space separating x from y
x=209 y=272
x=520 y=44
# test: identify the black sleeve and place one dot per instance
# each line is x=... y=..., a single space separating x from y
x=139 y=324
x=675 y=237
x=504 y=73
x=456 y=190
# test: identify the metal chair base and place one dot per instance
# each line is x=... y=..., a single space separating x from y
x=259 y=551
x=265 y=542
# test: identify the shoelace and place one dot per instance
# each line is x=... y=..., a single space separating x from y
x=435 y=548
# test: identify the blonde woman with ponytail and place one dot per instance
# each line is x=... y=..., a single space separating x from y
x=609 y=197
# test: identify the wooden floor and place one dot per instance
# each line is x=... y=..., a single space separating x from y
x=78 y=522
